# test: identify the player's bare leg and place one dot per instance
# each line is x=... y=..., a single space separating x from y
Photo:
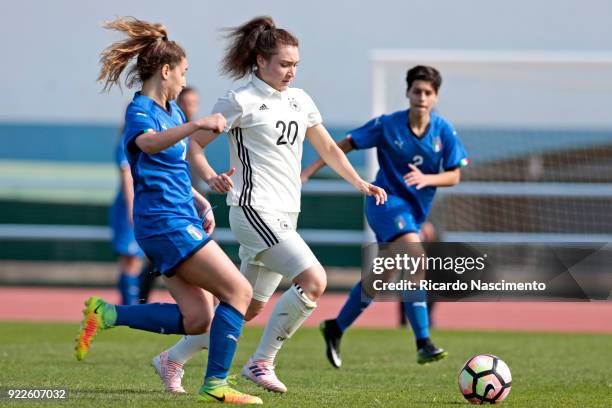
x=290 y=312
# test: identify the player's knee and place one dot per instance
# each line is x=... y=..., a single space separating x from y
x=197 y=323
x=368 y=289
x=241 y=295
x=255 y=308
x=130 y=265
x=250 y=315
x=315 y=286
x=246 y=293
x=319 y=287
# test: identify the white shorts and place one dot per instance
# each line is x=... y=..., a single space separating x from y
x=270 y=248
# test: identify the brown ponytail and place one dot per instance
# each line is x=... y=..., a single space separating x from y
x=149 y=42
x=256 y=37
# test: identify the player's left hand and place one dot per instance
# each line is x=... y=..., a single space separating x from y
x=205 y=212
x=304 y=176
x=415 y=177
x=208 y=221
x=372 y=190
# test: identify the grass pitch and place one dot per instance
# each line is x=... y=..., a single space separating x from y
x=380 y=370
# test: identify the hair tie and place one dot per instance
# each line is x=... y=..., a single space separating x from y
x=165 y=38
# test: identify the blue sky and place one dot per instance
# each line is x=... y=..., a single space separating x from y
x=51 y=48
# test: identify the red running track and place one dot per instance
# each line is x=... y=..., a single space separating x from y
x=64 y=305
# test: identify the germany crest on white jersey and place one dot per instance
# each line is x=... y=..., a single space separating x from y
x=266 y=136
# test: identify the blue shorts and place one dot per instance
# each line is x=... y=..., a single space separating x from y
x=168 y=250
x=392 y=219
x=124 y=242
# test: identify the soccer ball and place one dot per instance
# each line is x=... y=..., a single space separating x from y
x=485 y=378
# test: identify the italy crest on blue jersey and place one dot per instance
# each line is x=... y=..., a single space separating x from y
x=439 y=149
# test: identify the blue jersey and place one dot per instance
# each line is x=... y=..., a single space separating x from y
x=162 y=183
x=397 y=146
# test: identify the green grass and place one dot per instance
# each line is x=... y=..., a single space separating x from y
x=549 y=370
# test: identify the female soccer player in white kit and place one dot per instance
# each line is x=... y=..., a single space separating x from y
x=267 y=123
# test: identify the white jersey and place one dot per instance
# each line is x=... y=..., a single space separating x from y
x=266 y=137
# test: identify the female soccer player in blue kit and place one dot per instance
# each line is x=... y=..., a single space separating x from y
x=189 y=103
x=167 y=212
x=412 y=146
x=124 y=243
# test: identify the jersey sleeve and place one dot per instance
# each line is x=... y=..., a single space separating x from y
x=367 y=135
x=313 y=116
x=454 y=154
x=230 y=108
x=137 y=122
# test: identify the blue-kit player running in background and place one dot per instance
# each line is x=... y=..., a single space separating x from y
x=417 y=151
x=168 y=213
x=129 y=254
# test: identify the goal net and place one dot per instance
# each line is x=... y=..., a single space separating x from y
x=537 y=127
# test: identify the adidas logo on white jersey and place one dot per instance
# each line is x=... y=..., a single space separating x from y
x=263 y=107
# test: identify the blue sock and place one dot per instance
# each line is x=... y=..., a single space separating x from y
x=415 y=310
x=129 y=287
x=225 y=331
x=164 y=318
x=355 y=304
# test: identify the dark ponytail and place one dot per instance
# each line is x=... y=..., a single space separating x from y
x=256 y=37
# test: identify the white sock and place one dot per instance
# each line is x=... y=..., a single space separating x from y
x=291 y=310
x=186 y=347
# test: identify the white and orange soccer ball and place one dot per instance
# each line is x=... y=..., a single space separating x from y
x=485 y=378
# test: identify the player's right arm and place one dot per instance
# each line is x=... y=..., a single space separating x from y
x=220 y=183
x=152 y=142
x=127 y=182
x=127 y=186
x=230 y=108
